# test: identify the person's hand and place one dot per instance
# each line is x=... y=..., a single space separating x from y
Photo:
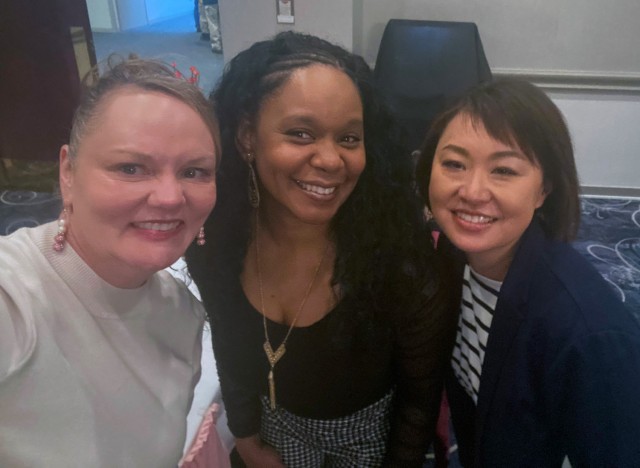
x=256 y=454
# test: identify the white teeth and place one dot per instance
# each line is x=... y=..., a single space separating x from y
x=317 y=189
x=158 y=226
x=478 y=219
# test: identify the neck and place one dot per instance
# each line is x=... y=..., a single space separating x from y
x=495 y=269
x=120 y=277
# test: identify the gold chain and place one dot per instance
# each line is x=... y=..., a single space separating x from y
x=274 y=356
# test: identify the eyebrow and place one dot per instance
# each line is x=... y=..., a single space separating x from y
x=310 y=120
x=497 y=155
x=144 y=157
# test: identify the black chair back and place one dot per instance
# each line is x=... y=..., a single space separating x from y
x=423 y=64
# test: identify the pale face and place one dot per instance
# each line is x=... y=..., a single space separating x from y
x=308 y=142
x=141 y=186
x=483 y=195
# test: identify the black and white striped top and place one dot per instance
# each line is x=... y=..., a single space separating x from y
x=479 y=298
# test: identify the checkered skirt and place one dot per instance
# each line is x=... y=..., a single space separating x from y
x=358 y=440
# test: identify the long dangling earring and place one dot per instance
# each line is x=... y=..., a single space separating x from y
x=254 y=191
x=200 y=240
x=60 y=239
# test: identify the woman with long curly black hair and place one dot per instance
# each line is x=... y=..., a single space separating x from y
x=318 y=273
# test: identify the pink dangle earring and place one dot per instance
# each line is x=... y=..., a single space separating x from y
x=60 y=239
x=200 y=239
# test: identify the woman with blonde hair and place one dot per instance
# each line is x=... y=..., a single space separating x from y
x=99 y=348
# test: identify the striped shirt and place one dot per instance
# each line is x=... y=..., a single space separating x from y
x=479 y=298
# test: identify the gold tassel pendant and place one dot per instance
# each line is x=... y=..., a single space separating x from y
x=272 y=390
x=273 y=357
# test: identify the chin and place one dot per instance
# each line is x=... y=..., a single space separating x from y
x=154 y=263
x=467 y=246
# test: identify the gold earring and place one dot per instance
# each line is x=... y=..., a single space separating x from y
x=254 y=191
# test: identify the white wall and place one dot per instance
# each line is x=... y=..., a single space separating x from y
x=102 y=15
x=602 y=106
x=131 y=14
x=244 y=22
x=568 y=35
x=606 y=133
x=583 y=54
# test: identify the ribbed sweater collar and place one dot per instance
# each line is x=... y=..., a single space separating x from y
x=99 y=297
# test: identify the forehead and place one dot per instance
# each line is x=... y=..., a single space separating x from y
x=128 y=107
x=149 y=121
x=317 y=85
x=472 y=130
x=118 y=99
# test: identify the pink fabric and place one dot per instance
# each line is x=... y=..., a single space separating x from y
x=441 y=442
x=207 y=450
x=435 y=235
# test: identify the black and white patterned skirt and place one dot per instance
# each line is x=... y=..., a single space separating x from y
x=358 y=440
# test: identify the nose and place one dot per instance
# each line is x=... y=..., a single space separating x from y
x=475 y=188
x=167 y=192
x=327 y=157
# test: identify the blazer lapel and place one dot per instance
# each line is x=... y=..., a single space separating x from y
x=504 y=328
x=508 y=315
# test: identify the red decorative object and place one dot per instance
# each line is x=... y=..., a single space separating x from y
x=193 y=79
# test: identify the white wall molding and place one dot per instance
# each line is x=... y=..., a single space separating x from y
x=570 y=80
x=613 y=192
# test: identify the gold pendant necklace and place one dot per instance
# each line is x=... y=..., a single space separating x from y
x=274 y=356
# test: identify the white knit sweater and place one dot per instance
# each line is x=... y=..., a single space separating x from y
x=91 y=375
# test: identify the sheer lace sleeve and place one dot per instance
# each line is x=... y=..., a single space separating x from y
x=425 y=333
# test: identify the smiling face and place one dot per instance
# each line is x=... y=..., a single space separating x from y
x=140 y=187
x=308 y=142
x=483 y=194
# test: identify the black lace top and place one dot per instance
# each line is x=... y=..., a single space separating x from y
x=323 y=377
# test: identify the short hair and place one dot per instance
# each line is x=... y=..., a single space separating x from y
x=145 y=74
x=514 y=111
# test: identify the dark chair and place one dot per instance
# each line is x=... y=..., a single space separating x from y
x=422 y=64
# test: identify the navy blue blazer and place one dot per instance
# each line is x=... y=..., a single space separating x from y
x=561 y=373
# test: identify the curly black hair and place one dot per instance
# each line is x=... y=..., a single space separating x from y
x=383 y=246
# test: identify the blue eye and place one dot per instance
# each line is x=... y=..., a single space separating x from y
x=191 y=173
x=129 y=169
x=196 y=173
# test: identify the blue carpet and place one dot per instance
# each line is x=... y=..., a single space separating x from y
x=174 y=40
x=609 y=238
x=609 y=235
x=26 y=209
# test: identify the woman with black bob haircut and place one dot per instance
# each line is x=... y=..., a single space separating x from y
x=546 y=364
x=318 y=275
x=515 y=112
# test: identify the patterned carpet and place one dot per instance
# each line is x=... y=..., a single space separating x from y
x=609 y=235
x=610 y=239
x=26 y=209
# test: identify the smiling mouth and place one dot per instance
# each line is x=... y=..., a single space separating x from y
x=475 y=219
x=157 y=226
x=315 y=188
